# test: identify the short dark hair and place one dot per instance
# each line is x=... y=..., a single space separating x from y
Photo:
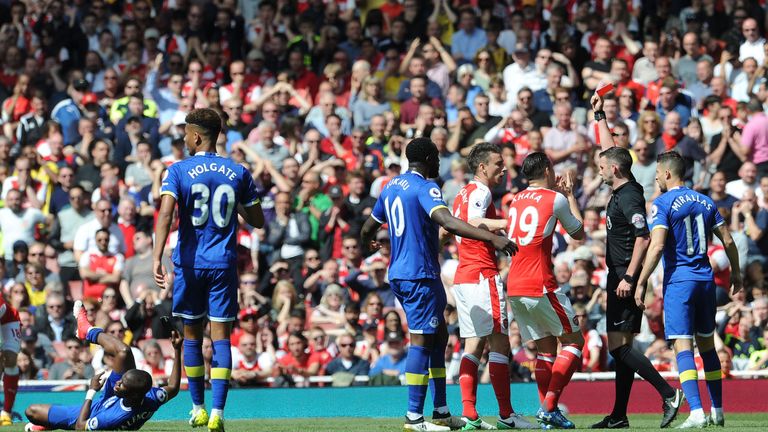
x=103 y=230
x=480 y=154
x=419 y=149
x=621 y=157
x=534 y=165
x=206 y=119
x=673 y=161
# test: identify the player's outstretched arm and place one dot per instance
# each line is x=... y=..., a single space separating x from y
x=162 y=229
x=733 y=256
x=456 y=226
x=492 y=225
x=85 y=410
x=174 y=381
x=652 y=257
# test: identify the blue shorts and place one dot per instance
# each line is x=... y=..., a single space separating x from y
x=65 y=416
x=423 y=301
x=689 y=309
x=201 y=292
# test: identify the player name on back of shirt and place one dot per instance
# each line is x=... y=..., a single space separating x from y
x=399 y=181
x=682 y=199
x=203 y=168
x=531 y=195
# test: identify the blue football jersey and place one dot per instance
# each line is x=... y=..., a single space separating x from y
x=207 y=188
x=688 y=217
x=110 y=413
x=405 y=205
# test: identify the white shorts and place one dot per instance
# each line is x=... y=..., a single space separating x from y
x=11 y=333
x=482 y=307
x=539 y=317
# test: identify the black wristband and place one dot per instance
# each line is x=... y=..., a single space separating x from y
x=599 y=115
x=628 y=279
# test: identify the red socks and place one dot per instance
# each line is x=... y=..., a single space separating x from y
x=468 y=384
x=498 y=365
x=566 y=364
x=544 y=362
x=10 y=386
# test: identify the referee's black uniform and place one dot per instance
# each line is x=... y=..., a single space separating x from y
x=625 y=221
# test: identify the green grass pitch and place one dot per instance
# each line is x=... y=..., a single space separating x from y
x=734 y=422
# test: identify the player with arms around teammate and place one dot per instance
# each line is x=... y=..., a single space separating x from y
x=413 y=208
x=129 y=399
x=627 y=242
x=543 y=312
x=208 y=189
x=680 y=222
x=479 y=292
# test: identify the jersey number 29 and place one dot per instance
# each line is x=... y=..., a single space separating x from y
x=221 y=212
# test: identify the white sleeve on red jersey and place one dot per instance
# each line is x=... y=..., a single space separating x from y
x=563 y=213
x=720 y=258
x=478 y=203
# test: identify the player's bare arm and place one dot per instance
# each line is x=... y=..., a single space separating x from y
x=492 y=225
x=253 y=215
x=174 y=381
x=564 y=185
x=733 y=257
x=456 y=226
x=652 y=257
x=369 y=229
x=638 y=255
x=85 y=411
x=604 y=136
x=162 y=229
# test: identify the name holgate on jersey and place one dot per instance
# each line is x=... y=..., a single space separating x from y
x=211 y=167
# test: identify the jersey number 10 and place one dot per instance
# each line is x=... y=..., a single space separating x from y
x=222 y=213
x=395 y=216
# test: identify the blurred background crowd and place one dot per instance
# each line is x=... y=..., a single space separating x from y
x=319 y=99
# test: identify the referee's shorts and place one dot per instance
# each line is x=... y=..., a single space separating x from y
x=623 y=315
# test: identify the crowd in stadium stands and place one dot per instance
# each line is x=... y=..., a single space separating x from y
x=319 y=99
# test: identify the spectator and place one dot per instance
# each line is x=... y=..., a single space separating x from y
x=469 y=39
x=747 y=181
x=137 y=270
x=156 y=363
x=144 y=317
x=247 y=369
x=65 y=226
x=347 y=362
x=296 y=363
x=17 y=223
x=85 y=237
x=100 y=269
x=54 y=321
x=331 y=307
x=753 y=43
x=390 y=367
x=28 y=370
x=74 y=365
x=755 y=138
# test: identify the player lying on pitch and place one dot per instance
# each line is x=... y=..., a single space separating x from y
x=129 y=399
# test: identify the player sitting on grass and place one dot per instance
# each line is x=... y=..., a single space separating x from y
x=129 y=399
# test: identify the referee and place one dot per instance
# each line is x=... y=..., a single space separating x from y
x=626 y=243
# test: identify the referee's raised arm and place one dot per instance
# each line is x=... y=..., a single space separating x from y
x=603 y=133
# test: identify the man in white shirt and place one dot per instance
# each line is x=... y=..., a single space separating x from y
x=520 y=73
x=85 y=238
x=753 y=45
x=17 y=223
x=747 y=180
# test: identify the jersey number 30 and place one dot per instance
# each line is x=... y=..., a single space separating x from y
x=525 y=225
x=221 y=212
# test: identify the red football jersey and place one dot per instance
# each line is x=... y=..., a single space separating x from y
x=7 y=313
x=533 y=215
x=475 y=257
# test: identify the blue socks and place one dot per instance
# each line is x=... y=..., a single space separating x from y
x=221 y=370
x=437 y=379
x=417 y=378
x=714 y=377
x=195 y=369
x=689 y=378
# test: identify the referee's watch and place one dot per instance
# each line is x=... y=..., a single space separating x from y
x=629 y=279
